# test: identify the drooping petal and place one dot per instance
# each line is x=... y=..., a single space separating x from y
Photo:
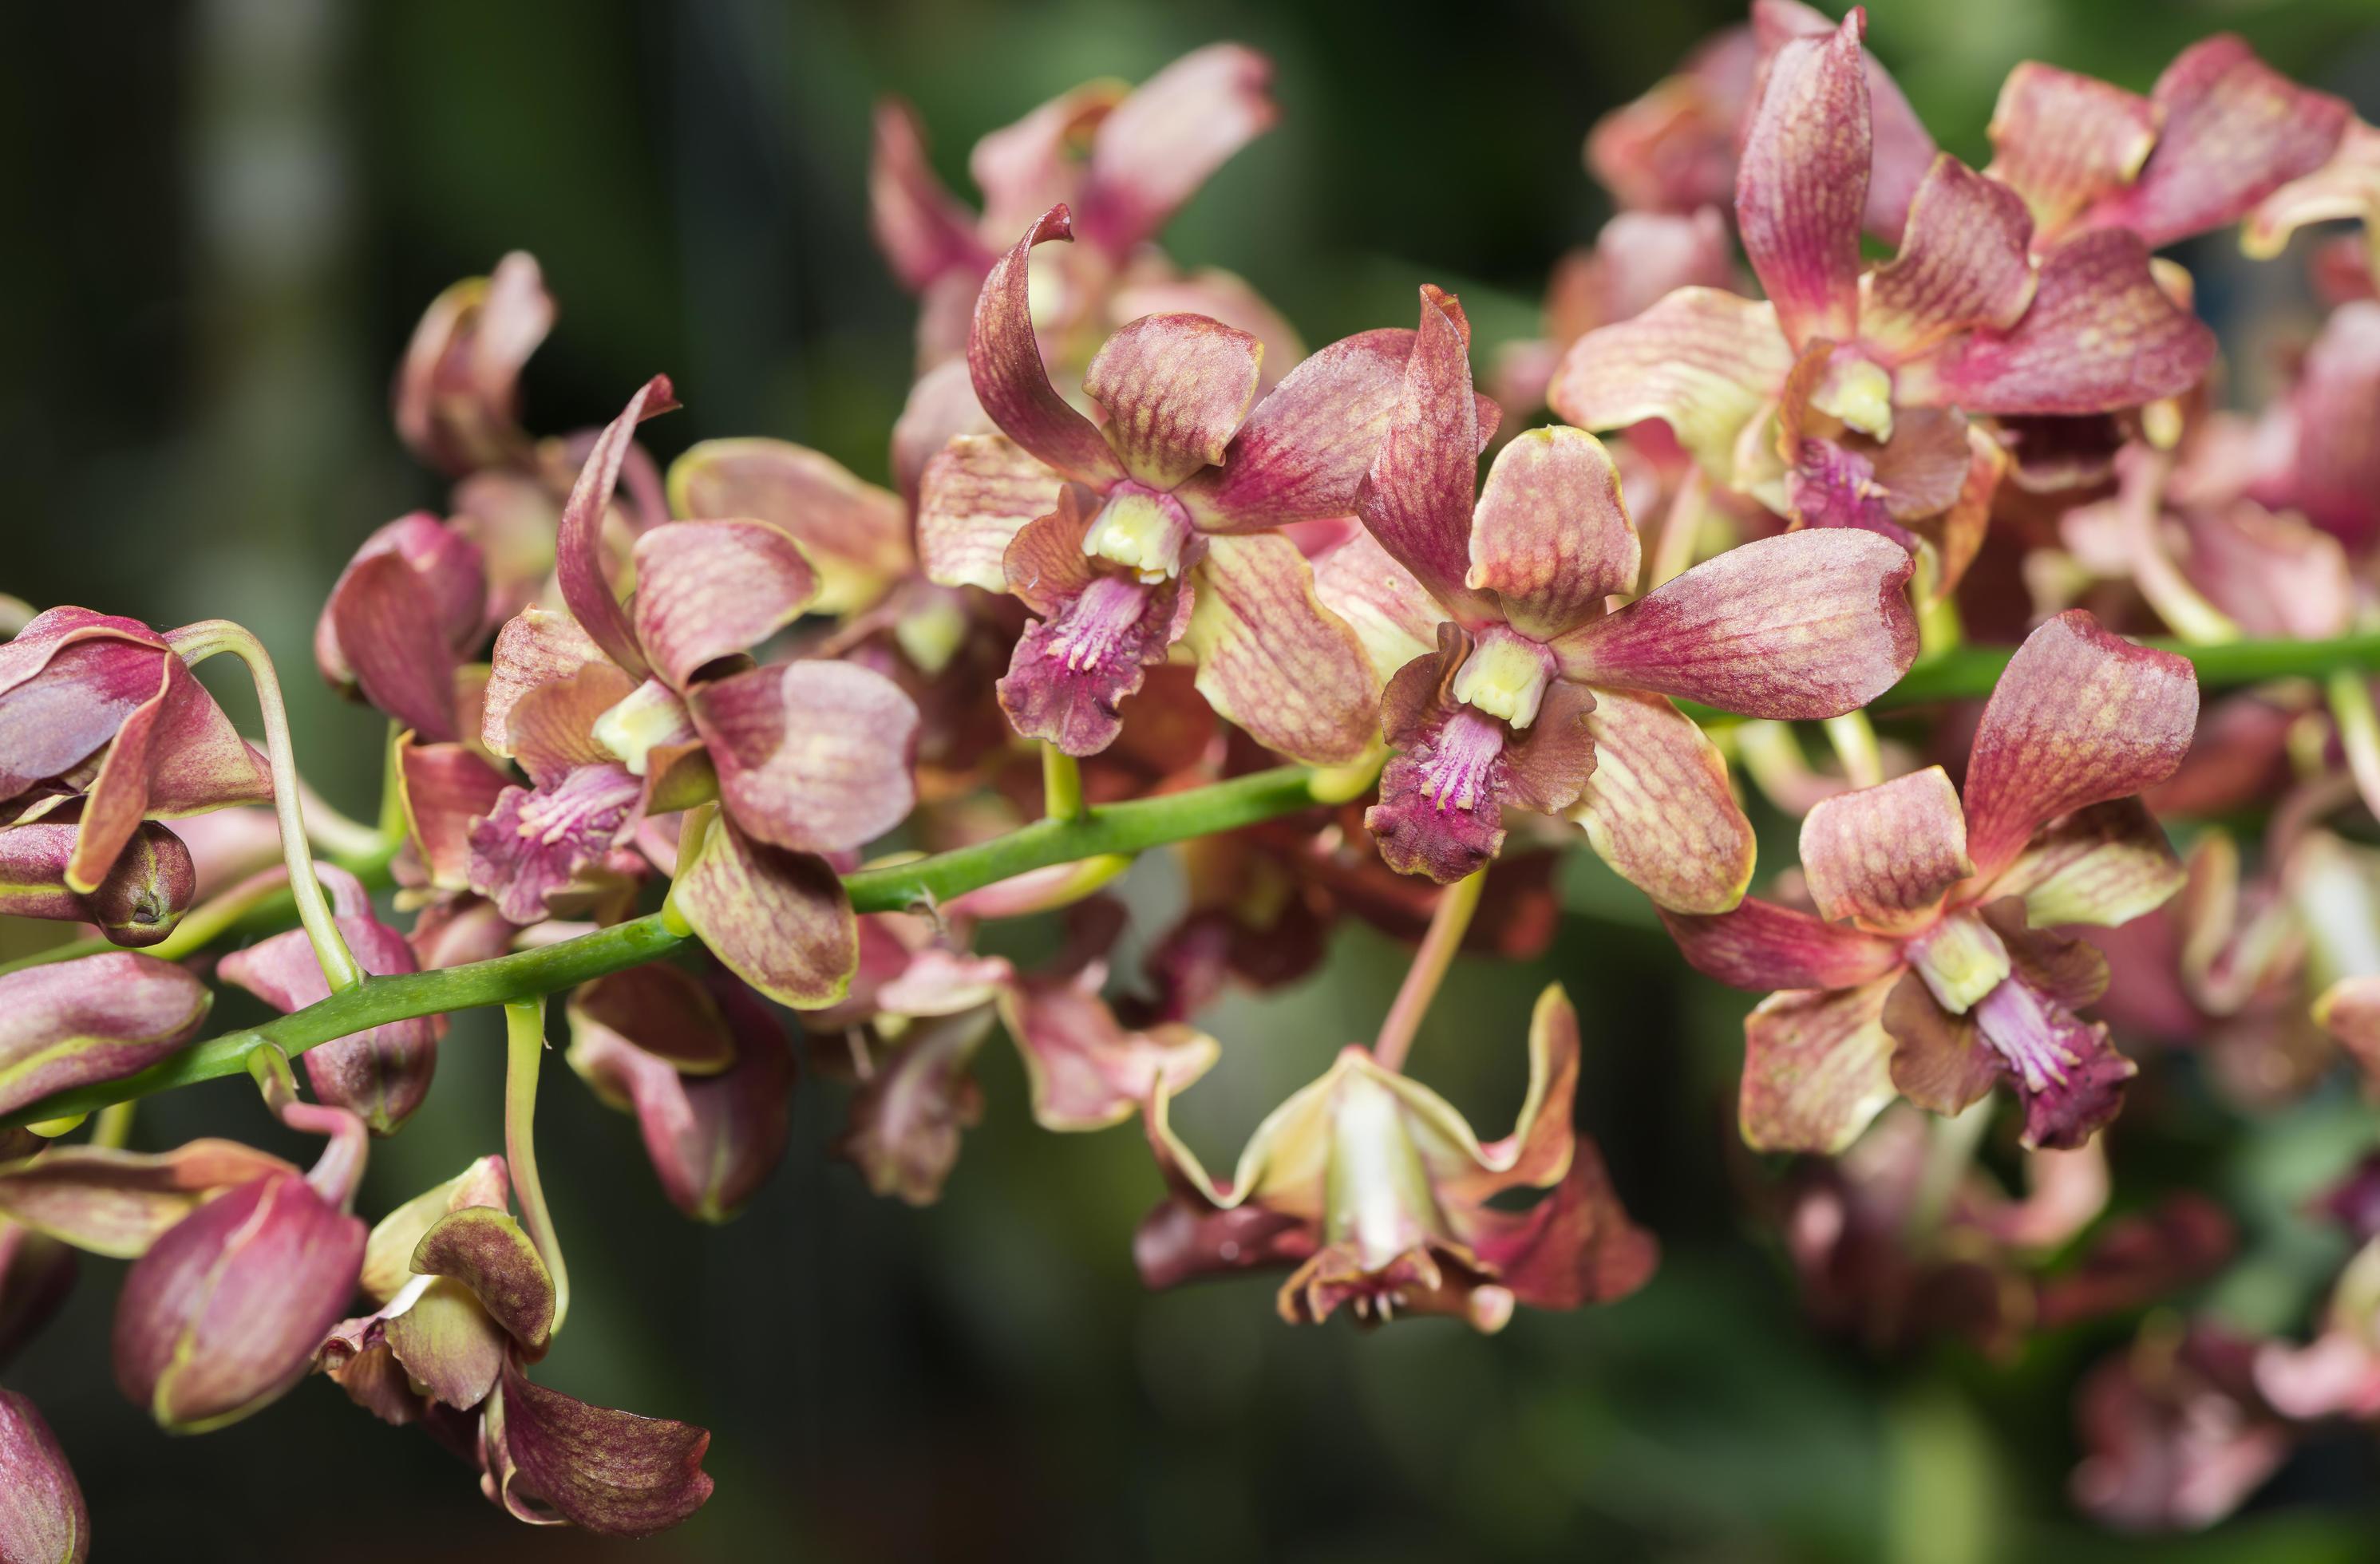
x=1940 y=1061
x=1176 y=388
x=175 y=754
x=2079 y=717
x=1758 y=945
x=1550 y=536
x=457 y=394
x=117 y=1203
x=69 y=680
x=577 y=549
x=975 y=496
x=1882 y=857
x=2063 y=140
x=1818 y=1067
x=904 y=1124
x=147 y=890
x=2105 y=864
x=487 y=1251
x=1807 y=624
x=1574 y=1247
x=662 y=1011
x=1657 y=807
x=2235 y=130
x=395 y=630
x=922 y=229
x=855 y=535
x=1272 y=659
x=779 y=920
x=1702 y=360
x=1088 y=1070
x=1005 y=357
x=1963 y=264
x=1801 y=187
x=1155 y=149
x=1416 y=500
x=812 y=755
x=2101 y=335
x=94 y=1018
x=612 y=1473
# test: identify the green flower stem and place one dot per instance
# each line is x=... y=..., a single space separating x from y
x=1854 y=740
x=1061 y=784
x=2359 y=730
x=1448 y=921
x=194 y=643
x=524 y=1058
x=1968 y=673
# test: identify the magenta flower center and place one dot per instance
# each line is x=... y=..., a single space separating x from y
x=1103 y=616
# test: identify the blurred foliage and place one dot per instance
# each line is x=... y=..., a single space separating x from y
x=229 y=214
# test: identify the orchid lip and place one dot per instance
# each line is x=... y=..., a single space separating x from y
x=1505 y=676
x=551 y=818
x=1456 y=775
x=2014 y=1020
x=649 y=716
x=1859 y=391
x=1141 y=528
x=1105 y=612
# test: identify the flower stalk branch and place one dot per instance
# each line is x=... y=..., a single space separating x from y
x=524 y=1056
x=1448 y=923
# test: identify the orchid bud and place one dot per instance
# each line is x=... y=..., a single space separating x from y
x=410 y=603
x=143 y=897
x=97 y=1018
x=225 y=1311
x=42 y=1518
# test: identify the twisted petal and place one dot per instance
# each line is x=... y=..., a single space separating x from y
x=1963 y=264
x=854 y=535
x=1801 y=188
x=612 y=1473
x=457 y=395
x=1157 y=147
x=1176 y=388
x=1088 y=1070
x=577 y=549
x=69 y=681
x=1550 y=537
x=2063 y=141
x=1416 y=500
x=95 y=1018
x=1883 y=857
x=1758 y=945
x=975 y=496
x=1818 y=1067
x=923 y=230
x=1701 y=360
x=779 y=920
x=1273 y=659
x=1807 y=624
x=1005 y=357
x=2079 y=717
x=1657 y=807
x=177 y=754
x=813 y=757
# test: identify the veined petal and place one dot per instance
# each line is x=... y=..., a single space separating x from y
x=2079 y=717
x=1442 y=800
x=533 y=843
x=977 y=494
x=2333 y=473
x=94 y=1018
x=1818 y=1067
x=577 y=549
x=1758 y=945
x=1550 y=537
x=2063 y=140
x=2235 y=131
x=1392 y=613
x=2101 y=335
x=1702 y=360
x=1176 y=388
x=457 y=395
x=663 y=1012
x=923 y=230
x=175 y=754
x=551 y=729
x=1416 y=500
x=1153 y=287
x=444 y=789
x=118 y=1203
x=612 y=1473
x=1800 y=186
x=1963 y=264
x=1072 y=670
x=1309 y=442
x=1883 y=857
x=487 y=1251
x=1940 y=1061
x=1088 y=1070
x=1807 y=624
x=1005 y=357
x=1155 y=149
x=855 y=535
x=1903 y=148
x=535 y=647
x=2069 y=1077
x=1657 y=807
x=1273 y=659
x=707 y=590
x=385 y=622
x=2107 y=865
x=812 y=755
x=779 y=920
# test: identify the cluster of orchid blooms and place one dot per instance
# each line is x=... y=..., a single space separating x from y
x=1154 y=573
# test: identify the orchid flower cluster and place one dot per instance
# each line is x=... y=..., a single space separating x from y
x=741 y=756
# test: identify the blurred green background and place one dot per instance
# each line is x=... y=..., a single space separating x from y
x=230 y=215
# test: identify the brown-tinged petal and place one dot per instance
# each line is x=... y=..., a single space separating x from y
x=177 y=754
x=1940 y=1061
x=612 y=1473
x=150 y=885
x=812 y=755
x=1882 y=857
x=1574 y=1247
x=445 y=788
x=1807 y=624
x=1758 y=945
x=486 y=1250
x=224 y=1312
x=534 y=649
x=662 y=1011
x=1963 y=264
x=117 y=1203
x=2079 y=717
x=436 y=1336
x=1392 y=614
x=1155 y=149
x=1005 y=357
x=1816 y=1068
x=1550 y=537
x=95 y=1018
x=1416 y=500
x=2235 y=130
x=905 y=1119
x=856 y=535
x=1176 y=388
x=1800 y=186
x=43 y=1519
x=780 y=920
x=975 y=496
x=2101 y=335
x=388 y=1249
x=1702 y=360
x=1657 y=807
x=921 y=228
x=709 y=590
x=2063 y=141
x=577 y=551
x=407 y=606
x=2104 y=864
x=1307 y=444
x=1088 y=1070
x=1272 y=659
x=458 y=396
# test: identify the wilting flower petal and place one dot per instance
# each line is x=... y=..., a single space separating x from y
x=812 y=755
x=577 y=551
x=145 y=893
x=1962 y=265
x=458 y=396
x=118 y=1203
x=1549 y=536
x=2079 y=717
x=95 y=1018
x=42 y=1516
x=1088 y=1070
x=707 y=590
x=1800 y=190
x=1818 y=1067
x=612 y=1473
x=1702 y=360
x=780 y=920
x=904 y=1122
x=1155 y=149
x=1272 y=659
x=853 y=533
x=486 y=1250
x=1883 y=857
x=1176 y=388
x=1657 y=807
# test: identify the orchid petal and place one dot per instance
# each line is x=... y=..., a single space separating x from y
x=577 y=552
x=1817 y=1067
x=1963 y=264
x=975 y=496
x=1088 y=1070
x=1701 y=360
x=1758 y=945
x=1155 y=149
x=457 y=395
x=175 y=754
x=444 y=789
x=612 y=1473
x=1801 y=188
x=486 y=1250
x=707 y=590
x=1550 y=537
x=1176 y=388
x=854 y=535
x=1657 y=807
x=535 y=647
x=1272 y=659
x=92 y=1019
x=1883 y=857
x=1416 y=500
x=1005 y=357
x=923 y=230
x=812 y=755
x=779 y=920
x=2104 y=864
x=2333 y=472
x=1392 y=614
x=1903 y=150
x=905 y=1122
x=118 y=1203
x=2062 y=140
x=1940 y=1061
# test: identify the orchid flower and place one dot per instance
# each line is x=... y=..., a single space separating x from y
x=1376 y=1196
x=1930 y=972
x=1534 y=693
x=620 y=713
x=2347 y=186
x=2174 y=1432
x=1840 y=401
x=1188 y=482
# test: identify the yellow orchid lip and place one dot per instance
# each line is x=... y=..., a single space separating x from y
x=1960 y=960
x=1505 y=676
x=1141 y=530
